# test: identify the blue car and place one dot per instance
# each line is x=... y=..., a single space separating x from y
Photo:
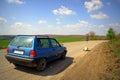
x=34 y=51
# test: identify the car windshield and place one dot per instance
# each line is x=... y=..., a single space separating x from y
x=22 y=41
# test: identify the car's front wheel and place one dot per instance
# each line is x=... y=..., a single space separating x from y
x=41 y=64
x=63 y=55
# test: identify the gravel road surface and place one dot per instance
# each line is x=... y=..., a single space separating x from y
x=54 y=71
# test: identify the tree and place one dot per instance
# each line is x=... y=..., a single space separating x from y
x=111 y=34
x=92 y=35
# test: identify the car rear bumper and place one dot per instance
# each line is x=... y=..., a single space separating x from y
x=22 y=61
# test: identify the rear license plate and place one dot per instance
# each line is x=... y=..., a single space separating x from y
x=18 y=52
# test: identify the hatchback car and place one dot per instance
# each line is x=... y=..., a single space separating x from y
x=34 y=51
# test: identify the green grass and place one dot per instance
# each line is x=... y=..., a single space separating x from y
x=60 y=38
x=115 y=46
x=72 y=38
x=4 y=43
x=69 y=39
x=117 y=52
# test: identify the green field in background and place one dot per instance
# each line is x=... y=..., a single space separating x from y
x=59 y=38
x=4 y=43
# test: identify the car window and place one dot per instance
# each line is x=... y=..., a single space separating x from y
x=54 y=43
x=42 y=43
x=22 y=41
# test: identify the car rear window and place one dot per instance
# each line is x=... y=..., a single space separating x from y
x=22 y=41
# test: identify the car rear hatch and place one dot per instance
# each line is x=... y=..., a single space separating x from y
x=21 y=46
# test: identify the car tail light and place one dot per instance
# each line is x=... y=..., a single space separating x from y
x=33 y=53
x=7 y=50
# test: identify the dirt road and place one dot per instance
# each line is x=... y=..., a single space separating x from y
x=54 y=70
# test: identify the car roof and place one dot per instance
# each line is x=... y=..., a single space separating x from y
x=37 y=36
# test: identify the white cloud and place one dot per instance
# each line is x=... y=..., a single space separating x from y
x=85 y=24
x=16 y=1
x=93 y=5
x=115 y=26
x=99 y=16
x=80 y=27
x=18 y=24
x=101 y=26
x=58 y=21
x=42 y=22
x=3 y=20
x=80 y=24
x=63 y=11
x=21 y=25
x=18 y=28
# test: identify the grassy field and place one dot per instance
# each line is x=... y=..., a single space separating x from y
x=72 y=38
x=115 y=46
x=69 y=38
x=60 y=38
x=4 y=43
x=112 y=61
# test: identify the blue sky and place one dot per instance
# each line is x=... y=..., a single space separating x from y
x=62 y=17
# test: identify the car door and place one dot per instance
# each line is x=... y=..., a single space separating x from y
x=43 y=48
x=56 y=48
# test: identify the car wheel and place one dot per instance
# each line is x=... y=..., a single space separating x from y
x=41 y=65
x=63 y=55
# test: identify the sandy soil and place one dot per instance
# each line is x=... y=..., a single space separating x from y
x=78 y=65
x=89 y=67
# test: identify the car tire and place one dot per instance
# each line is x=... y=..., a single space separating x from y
x=41 y=64
x=63 y=55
